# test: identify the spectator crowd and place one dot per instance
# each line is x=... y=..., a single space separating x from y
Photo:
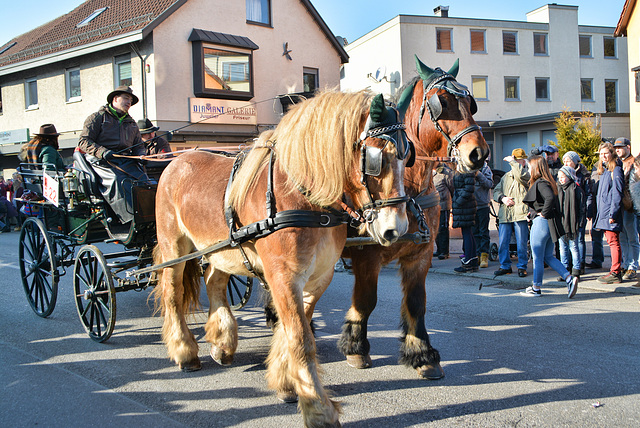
x=546 y=202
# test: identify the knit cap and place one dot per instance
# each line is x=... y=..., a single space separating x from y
x=569 y=172
x=575 y=158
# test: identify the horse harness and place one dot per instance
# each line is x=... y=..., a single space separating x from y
x=433 y=105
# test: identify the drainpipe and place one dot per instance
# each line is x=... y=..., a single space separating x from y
x=143 y=73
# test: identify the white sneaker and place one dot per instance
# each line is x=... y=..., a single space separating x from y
x=572 y=286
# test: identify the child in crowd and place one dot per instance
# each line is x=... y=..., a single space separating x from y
x=571 y=198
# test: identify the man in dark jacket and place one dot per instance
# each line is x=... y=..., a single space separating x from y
x=443 y=180
x=464 y=216
x=107 y=137
x=484 y=184
x=154 y=144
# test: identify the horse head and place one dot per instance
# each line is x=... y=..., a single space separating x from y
x=384 y=151
x=439 y=117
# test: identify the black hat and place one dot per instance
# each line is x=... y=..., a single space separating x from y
x=622 y=142
x=47 y=130
x=122 y=90
x=146 y=127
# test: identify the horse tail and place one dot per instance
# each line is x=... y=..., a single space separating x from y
x=190 y=282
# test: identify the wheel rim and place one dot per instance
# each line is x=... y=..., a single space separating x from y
x=94 y=293
x=239 y=291
x=38 y=267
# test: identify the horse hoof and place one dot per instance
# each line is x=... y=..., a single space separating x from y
x=288 y=396
x=359 y=361
x=191 y=366
x=221 y=357
x=431 y=371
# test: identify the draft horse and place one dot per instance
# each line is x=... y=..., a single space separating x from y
x=328 y=147
x=438 y=114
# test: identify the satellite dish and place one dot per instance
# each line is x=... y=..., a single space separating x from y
x=381 y=72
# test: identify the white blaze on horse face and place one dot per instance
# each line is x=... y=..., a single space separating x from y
x=391 y=222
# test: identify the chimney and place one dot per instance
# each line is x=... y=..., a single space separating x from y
x=441 y=11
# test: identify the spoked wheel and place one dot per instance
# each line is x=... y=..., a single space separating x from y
x=38 y=267
x=94 y=292
x=239 y=291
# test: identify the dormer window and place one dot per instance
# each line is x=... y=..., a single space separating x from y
x=91 y=17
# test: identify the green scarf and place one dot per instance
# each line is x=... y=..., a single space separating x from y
x=115 y=113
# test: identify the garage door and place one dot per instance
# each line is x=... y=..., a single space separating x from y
x=510 y=142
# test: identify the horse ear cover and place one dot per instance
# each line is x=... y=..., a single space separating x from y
x=378 y=111
x=455 y=68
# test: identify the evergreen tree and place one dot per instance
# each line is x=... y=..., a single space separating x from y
x=578 y=134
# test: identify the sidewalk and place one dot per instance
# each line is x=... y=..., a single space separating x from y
x=588 y=281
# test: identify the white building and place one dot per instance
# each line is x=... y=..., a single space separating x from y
x=522 y=74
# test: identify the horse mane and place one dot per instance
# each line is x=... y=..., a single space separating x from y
x=313 y=146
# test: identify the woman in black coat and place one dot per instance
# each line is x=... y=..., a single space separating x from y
x=464 y=216
x=547 y=228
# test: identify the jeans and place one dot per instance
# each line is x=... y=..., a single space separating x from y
x=570 y=252
x=629 y=241
x=468 y=243
x=442 y=240
x=582 y=246
x=542 y=249
x=613 y=239
x=522 y=236
x=481 y=230
x=597 y=246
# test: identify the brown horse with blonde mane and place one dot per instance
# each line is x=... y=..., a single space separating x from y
x=439 y=120
x=319 y=153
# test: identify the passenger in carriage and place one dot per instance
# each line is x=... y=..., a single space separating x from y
x=43 y=149
x=106 y=136
x=154 y=144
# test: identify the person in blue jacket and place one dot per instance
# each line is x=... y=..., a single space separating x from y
x=608 y=216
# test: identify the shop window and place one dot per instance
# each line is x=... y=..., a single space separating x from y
x=310 y=79
x=72 y=84
x=31 y=93
x=122 y=70
x=444 y=40
x=259 y=12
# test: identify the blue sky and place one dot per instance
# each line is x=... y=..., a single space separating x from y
x=348 y=18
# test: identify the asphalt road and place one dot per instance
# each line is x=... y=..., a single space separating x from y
x=509 y=361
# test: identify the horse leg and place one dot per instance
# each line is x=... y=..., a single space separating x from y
x=221 y=328
x=416 y=350
x=292 y=364
x=181 y=344
x=354 y=343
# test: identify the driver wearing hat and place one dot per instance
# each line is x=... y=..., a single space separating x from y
x=106 y=134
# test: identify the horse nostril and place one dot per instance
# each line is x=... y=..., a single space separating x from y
x=390 y=235
x=477 y=156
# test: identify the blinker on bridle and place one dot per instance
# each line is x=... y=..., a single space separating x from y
x=433 y=105
x=371 y=159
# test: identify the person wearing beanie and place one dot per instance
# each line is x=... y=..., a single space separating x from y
x=583 y=180
x=571 y=198
x=553 y=161
x=629 y=233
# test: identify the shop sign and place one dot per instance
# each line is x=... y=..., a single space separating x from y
x=206 y=110
x=14 y=136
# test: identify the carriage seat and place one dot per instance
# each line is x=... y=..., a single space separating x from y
x=87 y=176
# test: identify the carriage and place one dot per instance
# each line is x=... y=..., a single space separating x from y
x=67 y=217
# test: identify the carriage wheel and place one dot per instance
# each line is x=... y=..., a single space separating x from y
x=493 y=252
x=239 y=291
x=94 y=292
x=38 y=267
